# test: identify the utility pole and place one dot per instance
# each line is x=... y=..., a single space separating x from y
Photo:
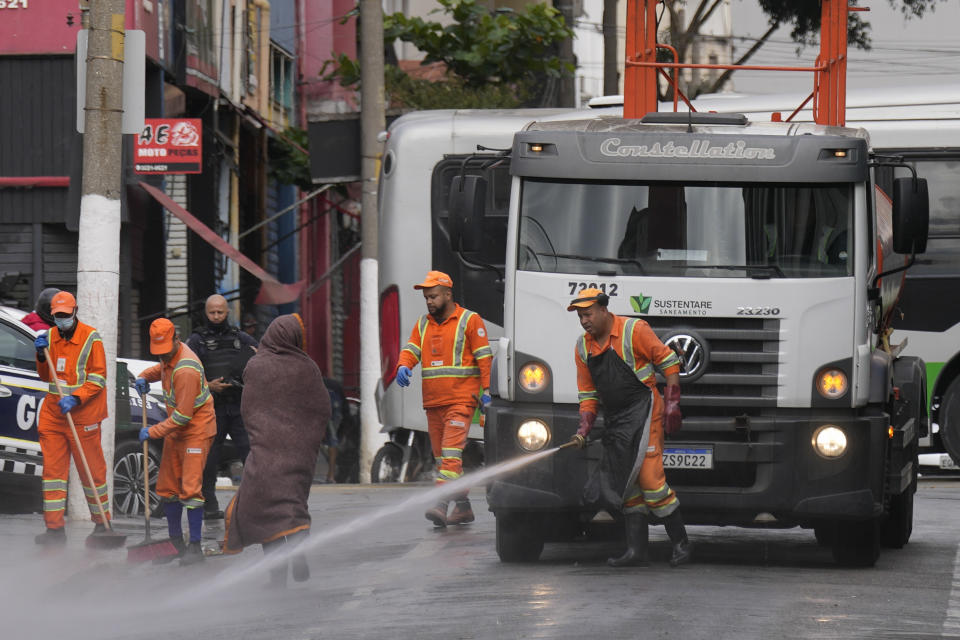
x=98 y=249
x=372 y=122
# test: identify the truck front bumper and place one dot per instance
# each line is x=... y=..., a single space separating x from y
x=766 y=471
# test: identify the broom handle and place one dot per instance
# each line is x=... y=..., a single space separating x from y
x=76 y=438
x=146 y=467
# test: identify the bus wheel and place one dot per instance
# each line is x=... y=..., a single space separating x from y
x=950 y=420
x=518 y=538
x=857 y=544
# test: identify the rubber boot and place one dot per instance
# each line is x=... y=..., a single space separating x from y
x=462 y=513
x=638 y=535
x=173 y=512
x=192 y=554
x=52 y=538
x=195 y=523
x=438 y=514
x=179 y=545
x=298 y=561
x=682 y=547
x=278 y=573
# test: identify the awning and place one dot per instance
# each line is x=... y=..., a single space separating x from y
x=272 y=291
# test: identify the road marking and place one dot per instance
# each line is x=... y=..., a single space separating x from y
x=951 y=624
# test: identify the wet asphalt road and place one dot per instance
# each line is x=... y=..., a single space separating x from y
x=397 y=577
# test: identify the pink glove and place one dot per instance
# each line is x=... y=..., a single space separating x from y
x=586 y=423
x=672 y=418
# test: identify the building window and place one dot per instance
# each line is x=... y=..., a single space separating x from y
x=281 y=82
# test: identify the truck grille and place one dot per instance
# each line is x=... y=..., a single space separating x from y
x=742 y=366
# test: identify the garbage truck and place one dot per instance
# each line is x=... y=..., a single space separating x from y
x=770 y=253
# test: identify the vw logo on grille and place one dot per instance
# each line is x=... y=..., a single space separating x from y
x=693 y=352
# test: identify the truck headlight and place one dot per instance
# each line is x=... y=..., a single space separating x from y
x=831 y=383
x=533 y=435
x=533 y=377
x=829 y=441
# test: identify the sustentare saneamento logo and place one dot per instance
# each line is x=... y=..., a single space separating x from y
x=641 y=303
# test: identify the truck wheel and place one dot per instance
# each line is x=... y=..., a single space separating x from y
x=899 y=523
x=518 y=539
x=857 y=544
x=128 y=479
x=825 y=533
x=386 y=464
x=950 y=420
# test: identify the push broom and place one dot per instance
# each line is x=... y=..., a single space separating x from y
x=109 y=539
x=148 y=549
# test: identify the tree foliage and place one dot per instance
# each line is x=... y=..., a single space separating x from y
x=288 y=162
x=483 y=47
x=493 y=60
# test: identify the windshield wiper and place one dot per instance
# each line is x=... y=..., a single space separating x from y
x=737 y=267
x=573 y=256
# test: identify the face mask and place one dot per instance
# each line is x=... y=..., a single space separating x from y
x=64 y=324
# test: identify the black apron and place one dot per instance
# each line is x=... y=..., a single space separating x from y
x=627 y=404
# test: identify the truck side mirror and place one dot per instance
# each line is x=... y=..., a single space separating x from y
x=911 y=215
x=468 y=197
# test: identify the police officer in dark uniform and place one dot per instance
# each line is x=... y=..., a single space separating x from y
x=223 y=350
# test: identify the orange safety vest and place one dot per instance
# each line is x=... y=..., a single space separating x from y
x=81 y=367
x=633 y=340
x=455 y=356
x=185 y=392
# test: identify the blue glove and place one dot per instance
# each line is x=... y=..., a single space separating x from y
x=68 y=403
x=142 y=386
x=41 y=343
x=144 y=434
x=403 y=376
x=485 y=399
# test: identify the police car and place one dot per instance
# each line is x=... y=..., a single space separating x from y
x=22 y=392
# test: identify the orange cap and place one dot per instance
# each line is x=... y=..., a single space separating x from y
x=161 y=336
x=63 y=302
x=435 y=279
x=587 y=298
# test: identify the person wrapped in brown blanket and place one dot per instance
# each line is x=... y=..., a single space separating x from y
x=286 y=409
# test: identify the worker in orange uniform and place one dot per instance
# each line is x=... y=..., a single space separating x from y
x=78 y=358
x=188 y=432
x=617 y=359
x=452 y=344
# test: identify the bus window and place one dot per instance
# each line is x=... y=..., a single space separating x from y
x=477 y=276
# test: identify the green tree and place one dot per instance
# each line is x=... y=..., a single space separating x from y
x=493 y=60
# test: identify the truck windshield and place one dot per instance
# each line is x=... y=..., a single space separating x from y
x=701 y=230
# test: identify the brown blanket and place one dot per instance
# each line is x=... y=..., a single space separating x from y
x=286 y=410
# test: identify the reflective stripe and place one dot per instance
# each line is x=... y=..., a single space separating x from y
x=101 y=491
x=483 y=352
x=192 y=503
x=179 y=419
x=54 y=485
x=646 y=371
x=582 y=348
x=587 y=395
x=448 y=475
x=413 y=349
x=450 y=372
x=422 y=328
x=452 y=453
x=651 y=497
x=100 y=381
x=664 y=510
x=55 y=505
x=461 y=338
x=170 y=398
x=69 y=389
x=668 y=362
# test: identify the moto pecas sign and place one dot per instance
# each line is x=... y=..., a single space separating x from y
x=169 y=145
